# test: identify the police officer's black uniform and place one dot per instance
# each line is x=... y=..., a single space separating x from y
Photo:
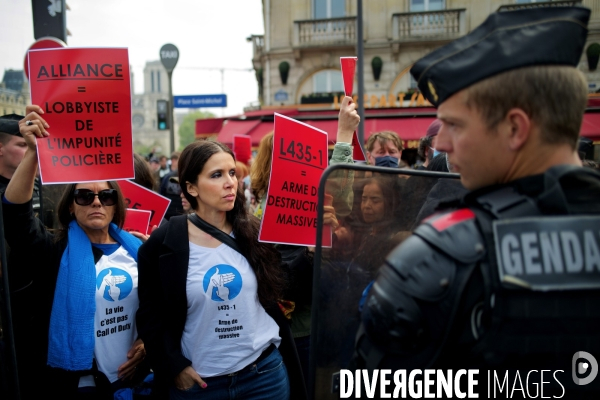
x=508 y=277
x=440 y=301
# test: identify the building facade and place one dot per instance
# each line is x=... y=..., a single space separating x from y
x=144 y=120
x=14 y=93
x=297 y=59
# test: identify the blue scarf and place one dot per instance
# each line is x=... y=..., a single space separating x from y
x=71 y=337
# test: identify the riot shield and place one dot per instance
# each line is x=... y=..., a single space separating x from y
x=377 y=208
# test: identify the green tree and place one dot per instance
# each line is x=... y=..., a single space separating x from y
x=188 y=127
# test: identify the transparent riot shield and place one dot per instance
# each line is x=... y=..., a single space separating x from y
x=377 y=208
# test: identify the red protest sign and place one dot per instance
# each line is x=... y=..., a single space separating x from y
x=137 y=221
x=86 y=98
x=140 y=198
x=299 y=158
x=242 y=148
x=348 y=67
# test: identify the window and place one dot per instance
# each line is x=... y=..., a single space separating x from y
x=152 y=81
x=427 y=5
x=329 y=9
x=327 y=82
x=158 y=81
x=427 y=24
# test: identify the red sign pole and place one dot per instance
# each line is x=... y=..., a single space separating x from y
x=86 y=98
x=348 y=67
x=299 y=158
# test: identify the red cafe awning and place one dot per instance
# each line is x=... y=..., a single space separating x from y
x=410 y=128
x=407 y=128
x=260 y=131
x=235 y=127
x=208 y=126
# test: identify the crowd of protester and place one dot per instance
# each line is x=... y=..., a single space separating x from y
x=370 y=214
x=96 y=350
x=199 y=306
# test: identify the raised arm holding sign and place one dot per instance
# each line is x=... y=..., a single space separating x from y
x=86 y=98
x=89 y=249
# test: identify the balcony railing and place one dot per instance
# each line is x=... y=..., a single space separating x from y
x=258 y=44
x=512 y=7
x=317 y=32
x=258 y=47
x=429 y=25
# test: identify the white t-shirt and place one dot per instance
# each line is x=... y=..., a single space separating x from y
x=116 y=305
x=226 y=327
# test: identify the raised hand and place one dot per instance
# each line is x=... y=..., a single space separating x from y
x=348 y=120
x=33 y=126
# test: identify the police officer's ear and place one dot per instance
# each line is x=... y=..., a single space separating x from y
x=518 y=128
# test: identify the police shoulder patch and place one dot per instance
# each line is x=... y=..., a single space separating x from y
x=549 y=253
x=454 y=233
x=443 y=221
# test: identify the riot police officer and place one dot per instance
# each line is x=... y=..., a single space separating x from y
x=508 y=277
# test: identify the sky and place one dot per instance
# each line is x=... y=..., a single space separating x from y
x=208 y=34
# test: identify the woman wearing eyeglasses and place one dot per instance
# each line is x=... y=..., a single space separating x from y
x=85 y=279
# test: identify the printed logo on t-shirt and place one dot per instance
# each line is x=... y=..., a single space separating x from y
x=114 y=283
x=223 y=282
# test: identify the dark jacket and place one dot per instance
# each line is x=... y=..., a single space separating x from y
x=33 y=282
x=171 y=190
x=163 y=266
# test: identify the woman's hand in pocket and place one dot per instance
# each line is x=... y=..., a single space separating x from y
x=186 y=379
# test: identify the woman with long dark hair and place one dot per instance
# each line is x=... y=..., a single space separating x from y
x=208 y=301
x=84 y=281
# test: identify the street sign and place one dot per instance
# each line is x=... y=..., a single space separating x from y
x=42 y=43
x=200 y=101
x=169 y=55
x=281 y=95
